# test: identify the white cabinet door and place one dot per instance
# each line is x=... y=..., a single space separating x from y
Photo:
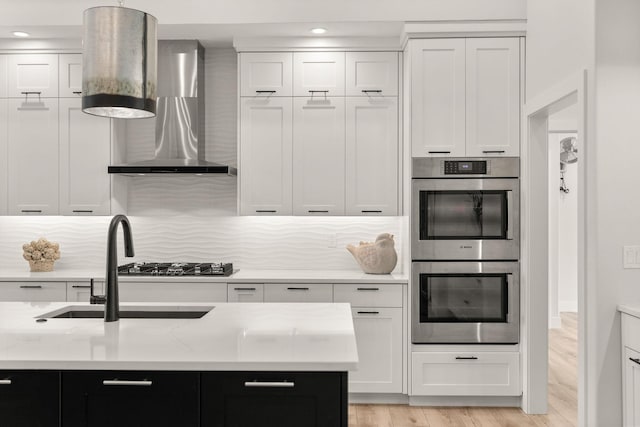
x=298 y=292
x=631 y=398
x=33 y=291
x=265 y=156
x=372 y=156
x=318 y=74
x=3 y=76
x=318 y=156
x=266 y=74
x=70 y=75
x=438 y=97
x=33 y=157
x=32 y=76
x=172 y=292
x=493 y=97
x=3 y=157
x=372 y=74
x=81 y=291
x=85 y=147
x=379 y=338
x=245 y=292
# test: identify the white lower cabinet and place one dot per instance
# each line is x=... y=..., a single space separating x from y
x=630 y=370
x=81 y=291
x=245 y=292
x=379 y=338
x=294 y=292
x=466 y=374
x=33 y=291
x=172 y=292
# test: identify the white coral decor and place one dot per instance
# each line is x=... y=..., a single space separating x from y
x=41 y=254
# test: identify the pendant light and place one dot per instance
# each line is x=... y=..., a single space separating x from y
x=119 y=62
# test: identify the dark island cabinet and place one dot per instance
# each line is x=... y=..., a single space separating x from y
x=130 y=399
x=29 y=398
x=274 y=399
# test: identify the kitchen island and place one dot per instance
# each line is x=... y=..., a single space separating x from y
x=239 y=365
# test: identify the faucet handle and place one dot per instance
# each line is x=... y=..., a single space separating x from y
x=96 y=299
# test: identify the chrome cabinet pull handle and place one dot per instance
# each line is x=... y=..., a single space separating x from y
x=372 y=211
x=31 y=92
x=30 y=286
x=297 y=289
x=439 y=152
x=371 y=91
x=265 y=91
x=5 y=382
x=265 y=211
x=493 y=151
x=466 y=358
x=276 y=384
x=635 y=360
x=244 y=289
x=145 y=383
x=317 y=211
x=368 y=289
x=318 y=91
x=31 y=210
x=82 y=211
x=368 y=312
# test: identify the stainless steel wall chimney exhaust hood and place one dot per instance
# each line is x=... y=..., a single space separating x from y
x=180 y=115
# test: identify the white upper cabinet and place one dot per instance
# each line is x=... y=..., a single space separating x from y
x=33 y=157
x=84 y=157
x=32 y=75
x=318 y=74
x=265 y=156
x=372 y=74
x=318 y=156
x=3 y=157
x=3 y=76
x=465 y=97
x=372 y=156
x=266 y=73
x=493 y=97
x=438 y=97
x=70 y=73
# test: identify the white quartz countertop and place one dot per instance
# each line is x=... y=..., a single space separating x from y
x=239 y=276
x=633 y=311
x=240 y=336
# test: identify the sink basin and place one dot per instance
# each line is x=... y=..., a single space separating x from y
x=130 y=312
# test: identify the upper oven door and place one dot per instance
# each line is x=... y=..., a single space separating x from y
x=465 y=219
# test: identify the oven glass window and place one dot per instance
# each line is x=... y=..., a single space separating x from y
x=463 y=215
x=463 y=298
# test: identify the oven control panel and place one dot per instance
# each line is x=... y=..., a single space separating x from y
x=464 y=167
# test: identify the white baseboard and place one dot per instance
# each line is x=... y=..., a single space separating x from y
x=570 y=306
x=506 y=401
x=379 y=398
x=555 y=322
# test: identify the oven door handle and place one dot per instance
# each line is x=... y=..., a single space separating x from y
x=510 y=213
x=509 y=294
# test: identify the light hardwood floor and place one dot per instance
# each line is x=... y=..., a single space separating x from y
x=563 y=406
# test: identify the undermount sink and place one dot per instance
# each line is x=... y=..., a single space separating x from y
x=130 y=312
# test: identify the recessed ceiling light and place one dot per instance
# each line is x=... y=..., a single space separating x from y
x=318 y=30
x=20 y=34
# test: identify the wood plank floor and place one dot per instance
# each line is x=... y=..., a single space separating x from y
x=563 y=400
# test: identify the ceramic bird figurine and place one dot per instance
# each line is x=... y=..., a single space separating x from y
x=378 y=257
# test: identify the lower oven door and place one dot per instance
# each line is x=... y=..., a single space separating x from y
x=465 y=302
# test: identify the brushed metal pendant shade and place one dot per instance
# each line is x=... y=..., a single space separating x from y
x=119 y=63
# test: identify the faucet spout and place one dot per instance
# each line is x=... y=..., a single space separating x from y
x=112 y=305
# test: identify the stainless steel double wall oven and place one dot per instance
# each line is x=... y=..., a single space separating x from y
x=465 y=245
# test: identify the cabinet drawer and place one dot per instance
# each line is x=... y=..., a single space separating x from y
x=36 y=74
x=369 y=295
x=318 y=74
x=290 y=292
x=33 y=291
x=172 y=292
x=630 y=335
x=29 y=398
x=245 y=292
x=466 y=374
x=266 y=74
x=372 y=74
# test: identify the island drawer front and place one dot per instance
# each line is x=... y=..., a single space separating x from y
x=245 y=292
x=282 y=399
x=29 y=398
x=106 y=398
x=368 y=295
x=295 y=292
x=630 y=328
x=172 y=292
x=33 y=291
x=466 y=374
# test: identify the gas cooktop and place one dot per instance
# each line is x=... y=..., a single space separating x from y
x=175 y=269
